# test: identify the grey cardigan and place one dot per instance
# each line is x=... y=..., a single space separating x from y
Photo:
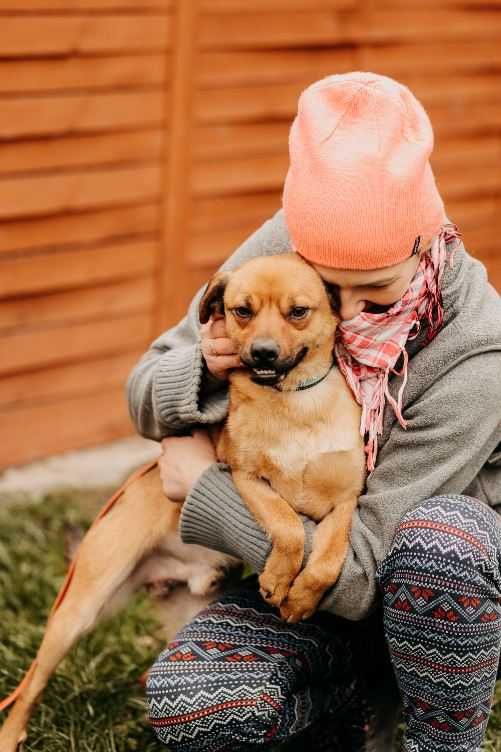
x=452 y=404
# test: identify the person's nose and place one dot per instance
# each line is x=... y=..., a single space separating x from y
x=350 y=305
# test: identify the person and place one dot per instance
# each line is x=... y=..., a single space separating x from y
x=420 y=345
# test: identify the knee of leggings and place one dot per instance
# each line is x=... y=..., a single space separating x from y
x=452 y=530
x=188 y=718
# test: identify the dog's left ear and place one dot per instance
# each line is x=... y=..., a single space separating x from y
x=212 y=300
x=333 y=295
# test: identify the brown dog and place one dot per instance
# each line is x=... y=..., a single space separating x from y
x=292 y=448
x=292 y=436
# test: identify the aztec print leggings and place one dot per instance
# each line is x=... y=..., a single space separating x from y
x=239 y=678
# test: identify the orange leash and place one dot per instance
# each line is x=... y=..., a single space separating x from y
x=69 y=576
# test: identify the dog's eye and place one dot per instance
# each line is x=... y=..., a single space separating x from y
x=242 y=312
x=298 y=312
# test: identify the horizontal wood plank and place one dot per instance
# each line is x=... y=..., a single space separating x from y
x=240 y=68
x=269 y=6
x=230 y=139
x=77 y=73
x=79 y=6
x=211 y=214
x=103 y=301
x=63 y=231
x=25 y=117
x=29 y=433
x=243 y=67
x=237 y=175
x=441 y=56
x=81 y=151
x=66 y=269
x=72 y=341
x=45 y=194
x=260 y=102
x=315 y=27
x=75 y=35
x=209 y=250
x=30 y=388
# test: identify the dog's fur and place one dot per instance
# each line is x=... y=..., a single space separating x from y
x=290 y=452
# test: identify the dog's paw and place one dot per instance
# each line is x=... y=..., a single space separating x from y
x=273 y=588
x=302 y=600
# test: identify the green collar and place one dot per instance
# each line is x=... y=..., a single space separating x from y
x=306 y=384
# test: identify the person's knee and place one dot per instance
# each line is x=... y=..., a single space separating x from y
x=446 y=532
x=189 y=714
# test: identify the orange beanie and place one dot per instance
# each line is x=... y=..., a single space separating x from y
x=360 y=192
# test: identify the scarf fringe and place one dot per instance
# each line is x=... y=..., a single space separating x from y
x=357 y=372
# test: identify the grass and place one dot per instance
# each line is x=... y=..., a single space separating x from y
x=94 y=702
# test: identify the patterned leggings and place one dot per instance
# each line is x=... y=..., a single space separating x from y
x=239 y=678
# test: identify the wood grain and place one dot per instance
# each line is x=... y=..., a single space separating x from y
x=64 y=231
x=65 y=35
x=77 y=73
x=93 y=150
x=45 y=194
x=72 y=341
x=31 y=432
x=102 y=301
x=26 y=274
x=25 y=117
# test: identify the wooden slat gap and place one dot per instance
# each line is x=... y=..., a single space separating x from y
x=43 y=93
x=82 y=169
x=22 y=253
x=29 y=329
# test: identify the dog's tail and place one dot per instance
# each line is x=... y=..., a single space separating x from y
x=5 y=703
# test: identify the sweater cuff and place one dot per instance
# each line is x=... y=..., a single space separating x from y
x=214 y=515
x=177 y=390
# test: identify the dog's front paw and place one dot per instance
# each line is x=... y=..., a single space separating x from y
x=273 y=588
x=302 y=599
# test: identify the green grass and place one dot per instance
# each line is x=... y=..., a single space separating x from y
x=93 y=703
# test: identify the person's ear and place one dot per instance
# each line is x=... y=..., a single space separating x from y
x=212 y=301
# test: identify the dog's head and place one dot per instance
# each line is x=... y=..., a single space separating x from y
x=277 y=310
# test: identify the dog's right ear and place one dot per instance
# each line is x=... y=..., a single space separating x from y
x=212 y=300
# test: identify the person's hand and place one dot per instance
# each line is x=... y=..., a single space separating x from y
x=183 y=460
x=218 y=350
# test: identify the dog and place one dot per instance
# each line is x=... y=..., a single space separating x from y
x=294 y=446
x=292 y=440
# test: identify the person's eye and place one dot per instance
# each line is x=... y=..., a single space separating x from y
x=298 y=312
x=242 y=312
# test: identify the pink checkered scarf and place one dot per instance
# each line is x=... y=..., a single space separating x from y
x=369 y=346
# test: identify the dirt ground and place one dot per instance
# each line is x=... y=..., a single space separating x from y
x=106 y=465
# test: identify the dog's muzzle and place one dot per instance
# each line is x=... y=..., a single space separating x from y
x=265 y=365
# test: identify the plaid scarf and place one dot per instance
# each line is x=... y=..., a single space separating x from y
x=369 y=346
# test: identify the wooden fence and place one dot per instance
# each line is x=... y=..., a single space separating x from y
x=141 y=141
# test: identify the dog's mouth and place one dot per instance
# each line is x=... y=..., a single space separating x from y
x=273 y=375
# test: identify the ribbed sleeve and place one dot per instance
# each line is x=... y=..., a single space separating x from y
x=214 y=515
x=177 y=391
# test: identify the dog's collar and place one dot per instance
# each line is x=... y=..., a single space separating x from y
x=306 y=384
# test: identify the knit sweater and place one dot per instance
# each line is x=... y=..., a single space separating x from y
x=452 y=444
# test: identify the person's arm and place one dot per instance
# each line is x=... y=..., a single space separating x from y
x=169 y=389
x=452 y=429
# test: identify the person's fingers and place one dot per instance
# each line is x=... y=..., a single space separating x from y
x=225 y=362
x=217 y=347
x=218 y=328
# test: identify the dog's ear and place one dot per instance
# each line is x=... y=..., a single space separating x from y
x=333 y=295
x=212 y=299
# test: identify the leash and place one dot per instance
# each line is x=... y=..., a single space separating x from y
x=7 y=701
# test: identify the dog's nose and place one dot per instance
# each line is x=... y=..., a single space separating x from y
x=264 y=351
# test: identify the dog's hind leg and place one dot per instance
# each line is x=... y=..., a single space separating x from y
x=107 y=556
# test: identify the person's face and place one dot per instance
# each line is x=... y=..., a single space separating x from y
x=372 y=291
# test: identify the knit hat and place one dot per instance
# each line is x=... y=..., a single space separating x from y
x=360 y=192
